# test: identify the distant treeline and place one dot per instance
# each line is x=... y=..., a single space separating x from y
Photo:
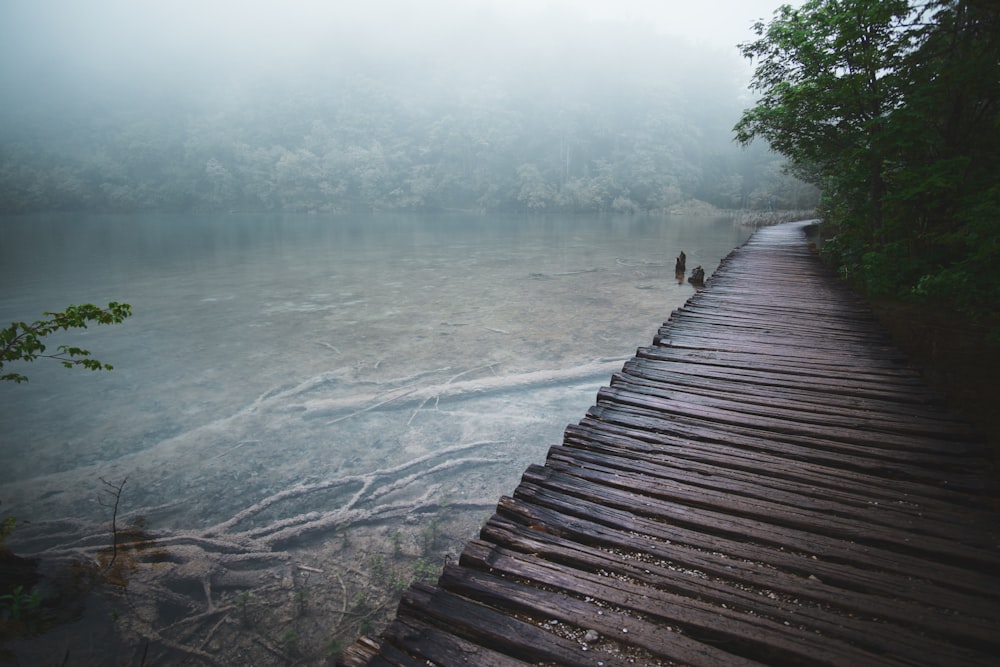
x=356 y=142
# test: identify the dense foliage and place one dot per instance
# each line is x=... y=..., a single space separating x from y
x=23 y=342
x=892 y=108
x=597 y=122
x=359 y=144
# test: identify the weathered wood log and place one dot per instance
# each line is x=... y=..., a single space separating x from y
x=479 y=623
x=697 y=277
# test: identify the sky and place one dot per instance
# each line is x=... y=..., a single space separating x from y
x=289 y=25
x=76 y=44
x=716 y=23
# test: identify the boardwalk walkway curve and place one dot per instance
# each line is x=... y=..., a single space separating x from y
x=768 y=483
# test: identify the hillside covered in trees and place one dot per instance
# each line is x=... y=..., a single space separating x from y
x=392 y=112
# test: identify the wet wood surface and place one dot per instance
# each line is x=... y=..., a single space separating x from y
x=769 y=482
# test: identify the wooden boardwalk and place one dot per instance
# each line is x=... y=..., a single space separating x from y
x=768 y=483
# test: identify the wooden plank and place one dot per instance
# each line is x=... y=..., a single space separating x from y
x=559 y=491
x=748 y=625
x=783 y=421
x=866 y=525
x=588 y=523
x=879 y=360
x=835 y=340
x=798 y=529
x=770 y=471
x=737 y=583
x=441 y=647
x=584 y=602
x=777 y=364
x=699 y=378
x=956 y=472
x=816 y=308
x=478 y=623
x=770 y=404
x=785 y=359
x=736 y=366
x=835 y=325
x=703 y=481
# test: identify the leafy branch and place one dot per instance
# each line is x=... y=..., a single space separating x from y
x=24 y=342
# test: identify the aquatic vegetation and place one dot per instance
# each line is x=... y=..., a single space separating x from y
x=15 y=606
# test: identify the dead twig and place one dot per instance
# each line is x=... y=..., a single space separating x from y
x=116 y=492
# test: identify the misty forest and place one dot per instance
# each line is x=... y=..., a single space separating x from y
x=364 y=263
x=568 y=116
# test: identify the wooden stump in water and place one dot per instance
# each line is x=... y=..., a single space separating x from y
x=697 y=276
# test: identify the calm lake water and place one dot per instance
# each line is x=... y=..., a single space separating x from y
x=285 y=376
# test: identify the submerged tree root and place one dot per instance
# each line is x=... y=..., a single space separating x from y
x=248 y=589
x=407 y=396
x=193 y=593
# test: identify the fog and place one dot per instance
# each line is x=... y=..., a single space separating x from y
x=187 y=38
x=123 y=106
x=61 y=48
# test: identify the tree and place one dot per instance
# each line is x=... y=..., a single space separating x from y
x=945 y=184
x=892 y=108
x=826 y=74
x=23 y=342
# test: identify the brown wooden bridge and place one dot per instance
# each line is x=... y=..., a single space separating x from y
x=768 y=483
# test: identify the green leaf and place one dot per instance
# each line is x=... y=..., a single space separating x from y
x=23 y=342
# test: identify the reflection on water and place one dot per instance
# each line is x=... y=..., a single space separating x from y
x=284 y=379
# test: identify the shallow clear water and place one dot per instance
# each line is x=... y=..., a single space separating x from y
x=283 y=376
x=255 y=340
